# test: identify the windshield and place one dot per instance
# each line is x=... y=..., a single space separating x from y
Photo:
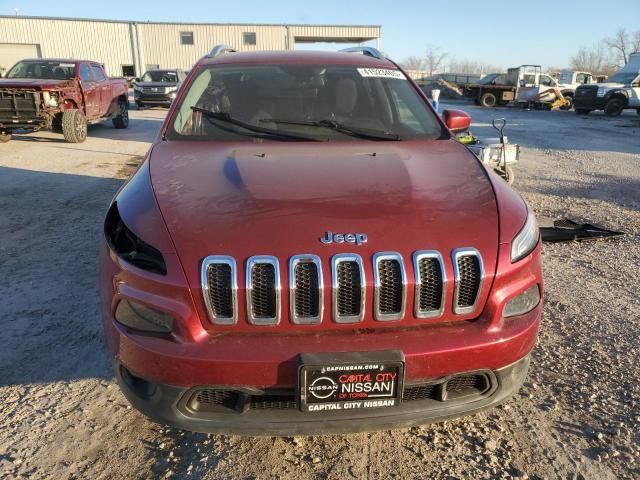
x=316 y=102
x=622 y=77
x=164 y=76
x=565 y=77
x=45 y=69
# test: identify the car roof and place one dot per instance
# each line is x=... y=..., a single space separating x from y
x=61 y=60
x=298 y=57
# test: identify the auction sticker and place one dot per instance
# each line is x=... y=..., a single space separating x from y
x=381 y=73
x=356 y=386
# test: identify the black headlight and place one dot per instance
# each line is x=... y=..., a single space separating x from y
x=129 y=247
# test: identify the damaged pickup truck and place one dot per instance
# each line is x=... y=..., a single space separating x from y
x=62 y=95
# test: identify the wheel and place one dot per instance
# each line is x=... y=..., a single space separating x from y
x=122 y=119
x=583 y=111
x=507 y=174
x=569 y=106
x=74 y=126
x=614 y=107
x=488 y=100
x=5 y=137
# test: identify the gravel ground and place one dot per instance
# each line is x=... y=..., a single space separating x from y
x=578 y=416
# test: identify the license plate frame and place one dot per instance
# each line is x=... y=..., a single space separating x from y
x=353 y=381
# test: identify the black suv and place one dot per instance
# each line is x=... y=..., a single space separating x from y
x=158 y=87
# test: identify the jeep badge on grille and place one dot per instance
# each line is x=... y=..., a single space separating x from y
x=357 y=238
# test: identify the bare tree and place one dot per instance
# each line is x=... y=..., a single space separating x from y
x=413 y=63
x=622 y=44
x=593 y=59
x=433 y=59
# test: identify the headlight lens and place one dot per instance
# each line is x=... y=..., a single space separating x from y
x=135 y=315
x=523 y=303
x=525 y=241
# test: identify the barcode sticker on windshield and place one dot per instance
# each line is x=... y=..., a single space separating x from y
x=381 y=72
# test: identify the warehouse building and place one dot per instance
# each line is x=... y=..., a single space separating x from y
x=129 y=48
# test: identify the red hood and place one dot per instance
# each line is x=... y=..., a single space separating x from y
x=37 y=83
x=280 y=198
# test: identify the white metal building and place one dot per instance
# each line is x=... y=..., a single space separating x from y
x=129 y=48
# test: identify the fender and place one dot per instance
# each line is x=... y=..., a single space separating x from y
x=617 y=92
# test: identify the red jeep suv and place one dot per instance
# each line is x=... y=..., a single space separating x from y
x=307 y=249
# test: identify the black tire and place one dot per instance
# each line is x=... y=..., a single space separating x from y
x=5 y=137
x=614 y=107
x=488 y=100
x=74 y=126
x=122 y=119
x=569 y=98
x=583 y=111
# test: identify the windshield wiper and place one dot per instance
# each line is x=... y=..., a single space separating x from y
x=225 y=117
x=339 y=127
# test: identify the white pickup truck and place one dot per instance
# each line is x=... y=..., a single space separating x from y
x=619 y=92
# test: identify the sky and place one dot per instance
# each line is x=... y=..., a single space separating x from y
x=506 y=33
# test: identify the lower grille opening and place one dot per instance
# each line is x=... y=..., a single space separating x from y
x=213 y=400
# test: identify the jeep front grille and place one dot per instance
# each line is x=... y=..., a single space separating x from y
x=430 y=284
x=348 y=287
x=390 y=286
x=263 y=290
x=467 y=265
x=305 y=289
x=219 y=288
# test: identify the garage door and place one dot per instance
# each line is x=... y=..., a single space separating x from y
x=11 y=53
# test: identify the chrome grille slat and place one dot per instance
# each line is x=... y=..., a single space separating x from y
x=430 y=284
x=469 y=276
x=306 y=289
x=219 y=286
x=263 y=290
x=390 y=286
x=349 y=288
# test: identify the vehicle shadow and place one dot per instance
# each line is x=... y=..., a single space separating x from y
x=141 y=129
x=50 y=225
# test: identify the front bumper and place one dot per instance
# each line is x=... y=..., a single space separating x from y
x=588 y=103
x=154 y=98
x=167 y=405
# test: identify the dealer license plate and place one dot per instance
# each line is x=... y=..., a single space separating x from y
x=348 y=382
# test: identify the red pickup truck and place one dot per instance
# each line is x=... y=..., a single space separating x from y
x=61 y=95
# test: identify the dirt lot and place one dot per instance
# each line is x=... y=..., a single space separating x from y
x=62 y=416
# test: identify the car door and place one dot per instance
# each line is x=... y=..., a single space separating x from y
x=104 y=87
x=90 y=89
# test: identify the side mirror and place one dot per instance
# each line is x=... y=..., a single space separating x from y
x=456 y=120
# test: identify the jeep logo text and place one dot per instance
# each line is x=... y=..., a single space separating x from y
x=357 y=238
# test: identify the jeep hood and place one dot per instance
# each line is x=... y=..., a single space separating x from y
x=279 y=198
x=33 y=83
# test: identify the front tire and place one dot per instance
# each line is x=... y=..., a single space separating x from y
x=74 y=126
x=614 y=107
x=5 y=137
x=122 y=119
x=488 y=100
